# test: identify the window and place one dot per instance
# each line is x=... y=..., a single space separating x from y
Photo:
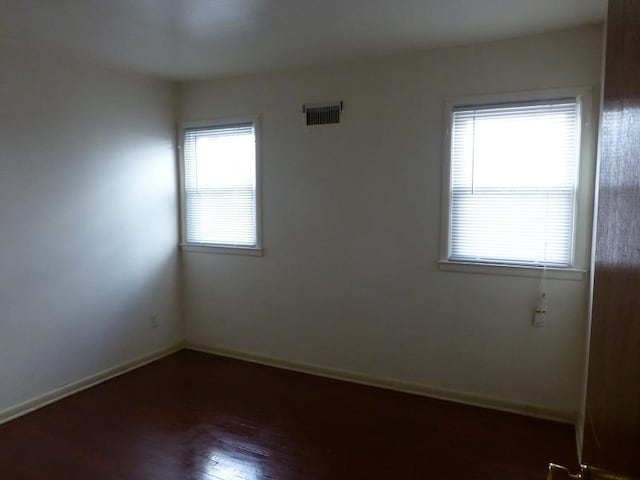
x=220 y=187
x=513 y=176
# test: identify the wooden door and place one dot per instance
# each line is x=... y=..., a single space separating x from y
x=612 y=423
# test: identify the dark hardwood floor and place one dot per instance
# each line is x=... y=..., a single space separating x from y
x=198 y=416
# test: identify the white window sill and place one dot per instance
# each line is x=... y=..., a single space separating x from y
x=204 y=248
x=512 y=270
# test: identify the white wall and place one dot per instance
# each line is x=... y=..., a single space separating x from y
x=88 y=224
x=351 y=217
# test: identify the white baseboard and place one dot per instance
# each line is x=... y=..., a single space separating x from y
x=400 y=386
x=386 y=383
x=84 y=383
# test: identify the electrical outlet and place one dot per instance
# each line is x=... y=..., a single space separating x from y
x=153 y=322
x=539 y=317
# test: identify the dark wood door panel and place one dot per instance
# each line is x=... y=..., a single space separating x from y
x=612 y=429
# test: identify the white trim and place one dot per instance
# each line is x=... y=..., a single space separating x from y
x=465 y=398
x=585 y=184
x=255 y=120
x=220 y=121
x=227 y=250
x=512 y=270
x=52 y=396
x=581 y=420
x=33 y=404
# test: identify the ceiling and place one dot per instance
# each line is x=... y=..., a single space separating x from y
x=189 y=39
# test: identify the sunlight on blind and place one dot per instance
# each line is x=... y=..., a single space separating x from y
x=220 y=185
x=513 y=183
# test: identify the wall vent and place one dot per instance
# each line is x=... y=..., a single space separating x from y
x=322 y=113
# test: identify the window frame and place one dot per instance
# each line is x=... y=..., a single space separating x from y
x=256 y=250
x=584 y=187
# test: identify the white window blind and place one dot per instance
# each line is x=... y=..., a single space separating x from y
x=513 y=187
x=220 y=185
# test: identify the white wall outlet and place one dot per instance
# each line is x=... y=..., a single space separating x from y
x=539 y=317
x=153 y=321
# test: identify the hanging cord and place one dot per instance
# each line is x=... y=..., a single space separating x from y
x=543 y=302
x=473 y=154
x=543 y=305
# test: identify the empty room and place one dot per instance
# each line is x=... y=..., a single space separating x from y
x=285 y=239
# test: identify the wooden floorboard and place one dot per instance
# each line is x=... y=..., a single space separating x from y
x=195 y=416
